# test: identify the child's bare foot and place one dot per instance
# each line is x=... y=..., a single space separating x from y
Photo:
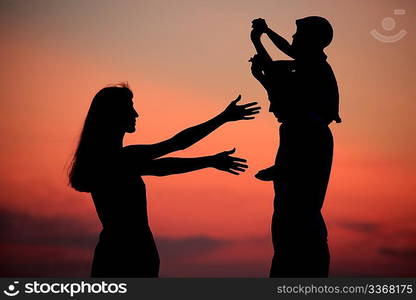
x=267 y=174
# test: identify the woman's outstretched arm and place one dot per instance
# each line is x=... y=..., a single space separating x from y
x=190 y=136
x=171 y=165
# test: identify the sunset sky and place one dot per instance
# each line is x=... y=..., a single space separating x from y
x=185 y=61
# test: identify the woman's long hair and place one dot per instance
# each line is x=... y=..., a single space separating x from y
x=95 y=141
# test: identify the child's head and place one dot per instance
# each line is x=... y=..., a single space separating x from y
x=313 y=34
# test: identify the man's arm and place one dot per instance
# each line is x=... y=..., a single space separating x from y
x=259 y=68
x=260 y=26
x=280 y=42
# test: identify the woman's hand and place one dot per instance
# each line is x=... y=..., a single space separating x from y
x=224 y=162
x=234 y=112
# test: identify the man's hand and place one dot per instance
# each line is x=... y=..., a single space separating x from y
x=234 y=112
x=257 y=66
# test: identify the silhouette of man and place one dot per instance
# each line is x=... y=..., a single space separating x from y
x=303 y=96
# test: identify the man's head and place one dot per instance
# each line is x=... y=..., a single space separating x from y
x=313 y=34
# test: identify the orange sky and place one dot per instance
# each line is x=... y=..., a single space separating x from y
x=185 y=61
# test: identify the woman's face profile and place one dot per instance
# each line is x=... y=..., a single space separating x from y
x=128 y=116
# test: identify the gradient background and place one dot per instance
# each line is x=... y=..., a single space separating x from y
x=185 y=60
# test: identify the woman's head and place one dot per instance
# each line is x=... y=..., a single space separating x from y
x=112 y=110
x=111 y=114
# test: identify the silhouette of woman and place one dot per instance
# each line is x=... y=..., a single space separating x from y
x=112 y=174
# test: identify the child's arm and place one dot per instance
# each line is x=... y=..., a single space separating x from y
x=261 y=51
